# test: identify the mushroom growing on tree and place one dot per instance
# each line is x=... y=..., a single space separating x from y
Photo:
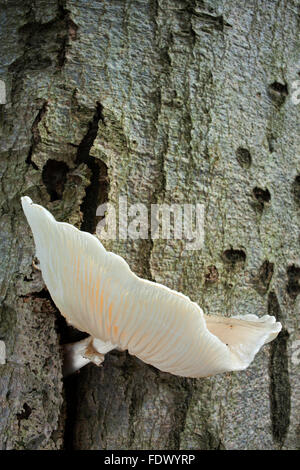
x=97 y=293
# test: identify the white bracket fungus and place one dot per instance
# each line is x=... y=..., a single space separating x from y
x=96 y=292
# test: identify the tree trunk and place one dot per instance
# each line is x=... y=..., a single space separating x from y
x=161 y=101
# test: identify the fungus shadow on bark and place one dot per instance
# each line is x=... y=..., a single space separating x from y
x=68 y=334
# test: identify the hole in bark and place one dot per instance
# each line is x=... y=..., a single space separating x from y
x=234 y=256
x=244 y=157
x=293 y=286
x=211 y=274
x=296 y=189
x=279 y=88
x=54 y=177
x=278 y=92
x=262 y=196
x=25 y=413
x=265 y=274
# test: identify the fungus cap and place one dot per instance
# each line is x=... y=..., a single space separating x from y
x=96 y=292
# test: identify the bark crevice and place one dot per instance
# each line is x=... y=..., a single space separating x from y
x=36 y=137
x=280 y=389
x=97 y=191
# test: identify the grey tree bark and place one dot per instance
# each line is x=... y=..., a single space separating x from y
x=161 y=101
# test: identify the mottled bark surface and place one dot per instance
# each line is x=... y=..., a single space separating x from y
x=160 y=101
